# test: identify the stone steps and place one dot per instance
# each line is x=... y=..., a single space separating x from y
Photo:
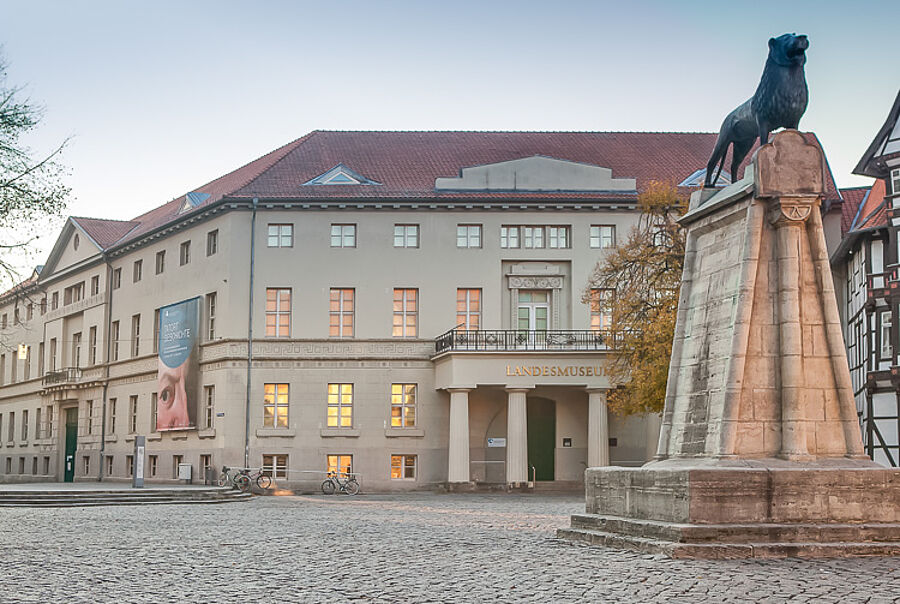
x=739 y=533
x=730 y=550
x=64 y=498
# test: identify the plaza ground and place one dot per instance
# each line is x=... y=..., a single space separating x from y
x=418 y=547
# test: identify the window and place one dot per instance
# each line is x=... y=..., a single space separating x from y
x=184 y=253
x=275 y=406
x=73 y=293
x=153 y=408
x=95 y=285
x=13 y=366
x=275 y=466
x=278 y=313
x=176 y=461
x=532 y=237
x=160 y=262
x=135 y=335
x=343 y=235
x=92 y=345
x=52 y=354
x=54 y=303
x=406 y=235
x=406 y=313
x=205 y=464
x=340 y=313
x=34 y=465
x=112 y=416
x=3 y=369
x=29 y=311
x=41 y=359
x=25 y=425
x=129 y=465
x=212 y=242
x=1 y=427
x=115 y=341
x=155 y=331
x=43 y=306
x=468 y=308
x=601 y=317
x=138 y=271
x=468 y=235
x=403 y=405
x=38 y=429
x=209 y=400
x=117 y=278
x=132 y=413
x=27 y=372
x=509 y=237
x=153 y=463
x=886 y=348
x=403 y=467
x=558 y=237
x=211 y=316
x=89 y=417
x=22 y=465
x=9 y=465
x=4 y=323
x=340 y=406
x=17 y=319
x=895 y=181
x=86 y=465
x=46 y=465
x=342 y=464
x=281 y=235
x=76 y=349
x=109 y=465
x=11 y=434
x=603 y=236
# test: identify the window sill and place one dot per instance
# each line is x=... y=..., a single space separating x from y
x=154 y=436
x=129 y=438
x=206 y=433
x=89 y=438
x=275 y=432
x=401 y=432
x=111 y=438
x=11 y=444
x=338 y=432
x=23 y=443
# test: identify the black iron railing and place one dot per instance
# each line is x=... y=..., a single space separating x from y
x=66 y=375
x=487 y=340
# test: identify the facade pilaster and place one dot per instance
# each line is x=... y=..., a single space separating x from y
x=516 y=436
x=598 y=429
x=458 y=450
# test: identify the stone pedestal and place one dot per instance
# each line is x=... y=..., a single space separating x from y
x=760 y=451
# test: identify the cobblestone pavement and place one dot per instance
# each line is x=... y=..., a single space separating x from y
x=381 y=548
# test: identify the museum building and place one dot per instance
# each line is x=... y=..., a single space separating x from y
x=411 y=306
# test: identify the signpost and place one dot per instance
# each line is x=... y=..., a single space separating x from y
x=137 y=480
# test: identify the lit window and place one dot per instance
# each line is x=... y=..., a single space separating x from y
x=343 y=235
x=160 y=262
x=342 y=464
x=275 y=466
x=601 y=318
x=403 y=467
x=340 y=406
x=275 y=406
x=406 y=235
x=281 y=235
x=406 y=313
x=340 y=313
x=209 y=404
x=509 y=237
x=403 y=405
x=184 y=253
x=603 y=236
x=468 y=235
x=278 y=313
x=558 y=237
x=212 y=242
x=468 y=309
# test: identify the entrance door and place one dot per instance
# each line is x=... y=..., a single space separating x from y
x=533 y=314
x=541 y=424
x=71 y=444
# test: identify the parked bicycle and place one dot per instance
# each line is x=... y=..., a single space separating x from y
x=334 y=483
x=227 y=476
x=247 y=477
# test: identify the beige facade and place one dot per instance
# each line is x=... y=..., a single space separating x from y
x=521 y=398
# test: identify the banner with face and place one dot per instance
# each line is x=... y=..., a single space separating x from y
x=179 y=366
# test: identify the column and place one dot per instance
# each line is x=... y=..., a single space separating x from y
x=516 y=436
x=458 y=451
x=598 y=429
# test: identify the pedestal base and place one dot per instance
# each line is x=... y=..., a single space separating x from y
x=743 y=509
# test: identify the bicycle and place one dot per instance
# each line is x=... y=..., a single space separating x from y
x=333 y=483
x=246 y=477
x=228 y=476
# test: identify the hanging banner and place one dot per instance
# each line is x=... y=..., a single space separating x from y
x=179 y=366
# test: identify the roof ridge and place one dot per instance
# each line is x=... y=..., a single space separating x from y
x=296 y=143
x=103 y=219
x=331 y=131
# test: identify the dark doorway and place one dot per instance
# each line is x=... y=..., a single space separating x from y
x=541 y=438
x=71 y=444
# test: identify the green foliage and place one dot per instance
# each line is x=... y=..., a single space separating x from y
x=644 y=277
x=31 y=189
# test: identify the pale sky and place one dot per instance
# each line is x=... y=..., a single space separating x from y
x=161 y=97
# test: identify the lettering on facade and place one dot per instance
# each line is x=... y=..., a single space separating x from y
x=556 y=370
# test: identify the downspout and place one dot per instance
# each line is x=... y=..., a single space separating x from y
x=107 y=316
x=250 y=333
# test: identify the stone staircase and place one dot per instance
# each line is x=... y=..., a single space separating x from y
x=95 y=497
x=735 y=540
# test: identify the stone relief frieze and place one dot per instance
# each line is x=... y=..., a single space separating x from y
x=535 y=282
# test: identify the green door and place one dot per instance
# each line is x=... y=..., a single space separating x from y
x=541 y=423
x=71 y=443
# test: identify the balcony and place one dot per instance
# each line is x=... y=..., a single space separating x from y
x=66 y=375
x=880 y=286
x=512 y=340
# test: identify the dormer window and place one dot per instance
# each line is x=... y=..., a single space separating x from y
x=193 y=200
x=696 y=179
x=341 y=175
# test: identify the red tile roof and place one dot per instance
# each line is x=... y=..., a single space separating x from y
x=852 y=198
x=105 y=232
x=873 y=211
x=407 y=164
